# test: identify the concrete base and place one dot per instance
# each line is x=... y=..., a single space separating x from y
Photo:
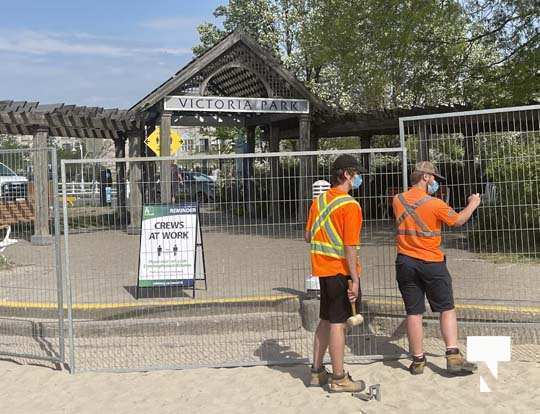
x=38 y=240
x=310 y=314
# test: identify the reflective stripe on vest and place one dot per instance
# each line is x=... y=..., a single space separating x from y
x=322 y=222
x=424 y=231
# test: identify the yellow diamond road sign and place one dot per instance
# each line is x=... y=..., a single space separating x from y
x=152 y=141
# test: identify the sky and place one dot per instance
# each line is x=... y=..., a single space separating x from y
x=95 y=53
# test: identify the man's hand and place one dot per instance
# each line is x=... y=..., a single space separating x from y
x=465 y=214
x=474 y=200
x=354 y=292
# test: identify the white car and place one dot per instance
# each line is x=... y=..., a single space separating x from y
x=12 y=186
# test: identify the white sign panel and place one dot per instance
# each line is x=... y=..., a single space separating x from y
x=235 y=104
x=170 y=243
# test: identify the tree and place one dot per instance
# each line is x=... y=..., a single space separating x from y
x=378 y=54
x=509 y=29
x=281 y=26
x=18 y=161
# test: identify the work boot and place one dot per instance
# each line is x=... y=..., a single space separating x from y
x=319 y=377
x=346 y=384
x=417 y=366
x=457 y=364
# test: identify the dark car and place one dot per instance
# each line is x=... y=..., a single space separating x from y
x=195 y=186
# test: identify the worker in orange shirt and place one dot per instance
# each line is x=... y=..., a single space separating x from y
x=333 y=231
x=421 y=266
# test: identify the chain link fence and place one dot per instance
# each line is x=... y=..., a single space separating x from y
x=495 y=258
x=31 y=298
x=249 y=304
x=246 y=300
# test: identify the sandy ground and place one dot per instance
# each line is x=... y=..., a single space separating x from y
x=26 y=389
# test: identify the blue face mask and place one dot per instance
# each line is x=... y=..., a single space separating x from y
x=357 y=182
x=433 y=187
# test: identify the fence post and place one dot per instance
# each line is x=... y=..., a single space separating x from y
x=69 y=292
x=41 y=236
x=58 y=258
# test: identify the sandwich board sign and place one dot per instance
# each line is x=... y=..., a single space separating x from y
x=171 y=247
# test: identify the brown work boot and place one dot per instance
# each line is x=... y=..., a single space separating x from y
x=346 y=384
x=319 y=377
x=418 y=365
x=457 y=364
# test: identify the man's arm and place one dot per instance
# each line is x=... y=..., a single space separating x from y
x=307 y=230
x=351 y=256
x=465 y=214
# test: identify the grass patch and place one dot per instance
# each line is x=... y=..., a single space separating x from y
x=510 y=258
x=5 y=263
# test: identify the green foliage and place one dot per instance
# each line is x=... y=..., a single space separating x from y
x=9 y=142
x=507 y=31
x=17 y=161
x=5 y=263
x=373 y=54
x=509 y=223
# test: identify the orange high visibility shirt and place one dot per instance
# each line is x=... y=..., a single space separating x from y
x=422 y=242
x=347 y=221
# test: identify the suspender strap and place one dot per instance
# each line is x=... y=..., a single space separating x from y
x=424 y=231
x=414 y=206
x=418 y=233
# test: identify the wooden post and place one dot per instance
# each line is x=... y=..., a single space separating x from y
x=276 y=181
x=305 y=174
x=120 y=152
x=165 y=177
x=135 y=185
x=365 y=143
x=424 y=136
x=41 y=236
x=304 y=133
x=273 y=138
x=250 y=139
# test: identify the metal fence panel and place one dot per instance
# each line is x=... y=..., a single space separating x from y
x=494 y=259
x=254 y=308
x=31 y=298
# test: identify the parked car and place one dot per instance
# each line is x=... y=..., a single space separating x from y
x=195 y=186
x=12 y=186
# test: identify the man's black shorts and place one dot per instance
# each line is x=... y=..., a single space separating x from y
x=335 y=304
x=417 y=278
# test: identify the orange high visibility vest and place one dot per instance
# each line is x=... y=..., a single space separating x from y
x=325 y=240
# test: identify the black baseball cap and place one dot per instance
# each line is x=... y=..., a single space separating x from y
x=345 y=161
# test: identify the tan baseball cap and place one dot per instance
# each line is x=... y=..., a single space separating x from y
x=428 y=168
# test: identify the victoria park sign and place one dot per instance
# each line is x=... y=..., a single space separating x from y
x=235 y=104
